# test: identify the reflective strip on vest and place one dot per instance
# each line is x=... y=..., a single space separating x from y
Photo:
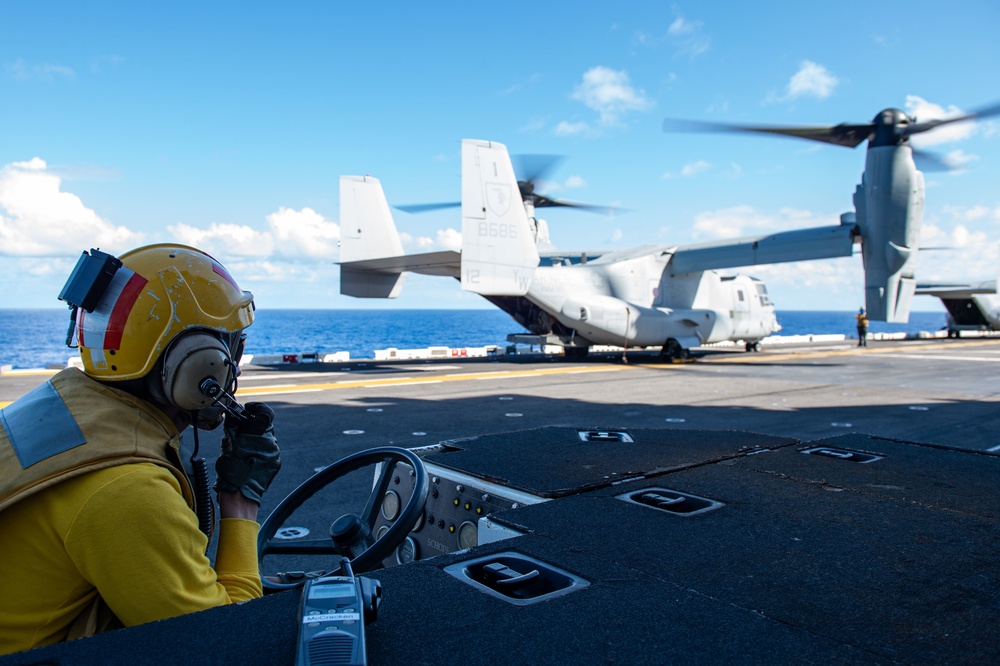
x=39 y=426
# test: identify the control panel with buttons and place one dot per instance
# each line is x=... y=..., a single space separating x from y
x=450 y=522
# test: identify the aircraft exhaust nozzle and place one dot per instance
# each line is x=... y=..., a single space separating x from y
x=889 y=206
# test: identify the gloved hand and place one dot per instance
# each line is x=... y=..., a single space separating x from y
x=250 y=456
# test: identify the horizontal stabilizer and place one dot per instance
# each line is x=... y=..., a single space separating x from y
x=957 y=288
x=446 y=263
x=365 y=284
x=799 y=245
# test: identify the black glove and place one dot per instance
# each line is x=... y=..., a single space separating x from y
x=250 y=456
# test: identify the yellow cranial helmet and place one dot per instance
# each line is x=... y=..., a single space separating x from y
x=157 y=293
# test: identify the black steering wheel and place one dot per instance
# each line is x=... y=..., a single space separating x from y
x=350 y=535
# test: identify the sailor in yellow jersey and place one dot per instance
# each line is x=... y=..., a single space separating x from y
x=100 y=525
x=862 y=318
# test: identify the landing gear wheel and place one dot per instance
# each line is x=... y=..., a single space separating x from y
x=352 y=531
x=954 y=333
x=673 y=351
x=753 y=346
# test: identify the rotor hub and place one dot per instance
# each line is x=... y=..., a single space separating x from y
x=888 y=128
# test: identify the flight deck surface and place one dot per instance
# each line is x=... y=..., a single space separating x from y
x=808 y=558
x=940 y=391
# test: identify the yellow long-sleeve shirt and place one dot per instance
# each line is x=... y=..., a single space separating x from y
x=126 y=533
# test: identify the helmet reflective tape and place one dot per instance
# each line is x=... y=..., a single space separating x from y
x=102 y=329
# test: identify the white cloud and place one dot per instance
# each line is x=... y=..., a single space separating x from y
x=566 y=128
x=828 y=284
x=688 y=38
x=685 y=36
x=575 y=182
x=965 y=253
x=680 y=26
x=535 y=124
x=444 y=239
x=292 y=235
x=266 y=271
x=921 y=110
x=21 y=70
x=971 y=213
x=225 y=240
x=690 y=169
x=694 y=168
x=610 y=93
x=745 y=220
x=958 y=159
x=38 y=219
x=449 y=239
x=812 y=80
x=304 y=234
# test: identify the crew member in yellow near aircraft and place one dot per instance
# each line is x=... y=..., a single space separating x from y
x=100 y=524
x=862 y=327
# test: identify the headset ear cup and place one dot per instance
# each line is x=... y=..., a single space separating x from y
x=192 y=358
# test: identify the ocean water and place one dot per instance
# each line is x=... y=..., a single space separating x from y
x=37 y=338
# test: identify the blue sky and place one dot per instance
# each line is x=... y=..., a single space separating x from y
x=228 y=125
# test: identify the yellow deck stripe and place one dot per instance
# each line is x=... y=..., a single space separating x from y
x=404 y=381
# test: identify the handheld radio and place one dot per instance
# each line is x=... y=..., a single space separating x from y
x=213 y=389
x=334 y=611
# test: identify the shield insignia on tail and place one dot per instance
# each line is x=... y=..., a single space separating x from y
x=498 y=198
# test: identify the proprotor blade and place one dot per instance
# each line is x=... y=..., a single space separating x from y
x=426 y=208
x=918 y=127
x=928 y=161
x=542 y=201
x=844 y=134
x=531 y=168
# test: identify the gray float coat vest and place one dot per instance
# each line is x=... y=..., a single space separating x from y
x=71 y=425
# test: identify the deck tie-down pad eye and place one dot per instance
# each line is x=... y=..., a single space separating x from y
x=517 y=579
x=842 y=454
x=605 y=436
x=671 y=501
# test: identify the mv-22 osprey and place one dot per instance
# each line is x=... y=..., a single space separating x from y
x=657 y=295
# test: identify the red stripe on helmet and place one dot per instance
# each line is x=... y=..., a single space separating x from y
x=219 y=270
x=121 y=310
x=79 y=327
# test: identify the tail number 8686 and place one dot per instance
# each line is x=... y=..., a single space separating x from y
x=497 y=230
